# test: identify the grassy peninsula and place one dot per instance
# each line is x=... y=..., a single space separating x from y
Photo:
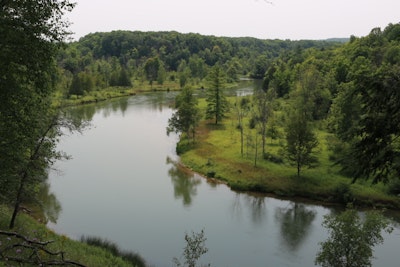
x=216 y=154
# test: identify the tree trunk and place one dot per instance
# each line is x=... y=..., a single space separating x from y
x=241 y=140
x=18 y=199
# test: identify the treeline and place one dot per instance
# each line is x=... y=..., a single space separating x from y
x=119 y=58
x=349 y=94
x=355 y=90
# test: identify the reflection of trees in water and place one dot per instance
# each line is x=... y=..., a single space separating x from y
x=255 y=204
x=295 y=223
x=42 y=204
x=80 y=115
x=48 y=203
x=183 y=181
x=257 y=208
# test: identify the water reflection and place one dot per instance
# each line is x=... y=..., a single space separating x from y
x=46 y=207
x=256 y=205
x=295 y=224
x=183 y=181
x=253 y=203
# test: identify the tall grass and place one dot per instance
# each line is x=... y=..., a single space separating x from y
x=132 y=257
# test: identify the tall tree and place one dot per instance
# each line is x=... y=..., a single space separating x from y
x=263 y=111
x=31 y=33
x=377 y=149
x=187 y=115
x=300 y=141
x=151 y=68
x=217 y=104
x=242 y=108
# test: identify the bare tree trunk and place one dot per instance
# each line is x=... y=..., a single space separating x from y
x=18 y=199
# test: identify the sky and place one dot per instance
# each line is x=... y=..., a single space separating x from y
x=263 y=19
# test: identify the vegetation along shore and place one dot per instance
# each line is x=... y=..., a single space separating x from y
x=324 y=125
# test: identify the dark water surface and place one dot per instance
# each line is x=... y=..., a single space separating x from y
x=123 y=184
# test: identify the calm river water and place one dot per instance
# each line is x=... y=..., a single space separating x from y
x=123 y=184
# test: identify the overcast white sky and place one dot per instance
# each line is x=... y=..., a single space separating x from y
x=283 y=19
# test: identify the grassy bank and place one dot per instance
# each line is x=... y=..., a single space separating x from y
x=79 y=252
x=217 y=154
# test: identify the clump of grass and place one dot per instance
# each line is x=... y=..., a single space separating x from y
x=131 y=257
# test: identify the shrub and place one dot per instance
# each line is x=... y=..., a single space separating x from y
x=273 y=158
x=394 y=186
x=342 y=193
x=182 y=146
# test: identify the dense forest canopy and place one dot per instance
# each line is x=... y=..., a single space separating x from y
x=100 y=60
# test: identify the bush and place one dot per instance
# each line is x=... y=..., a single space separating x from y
x=394 y=186
x=342 y=193
x=211 y=174
x=273 y=158
x=183 y=146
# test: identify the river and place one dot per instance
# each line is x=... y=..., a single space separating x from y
x=123 y=184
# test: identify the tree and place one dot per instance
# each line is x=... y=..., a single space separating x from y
x=217 y=104
x=242 y=107
x=124 y=79
x=351 y=238
x=194 y=249
x=187 y=115
x=300 y=140
x=263 y=111
x=376 y=148
x=151 y=68
x=31 y=33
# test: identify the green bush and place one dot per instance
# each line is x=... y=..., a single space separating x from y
x=394 y=186
x=342 y=193
x=273 y=158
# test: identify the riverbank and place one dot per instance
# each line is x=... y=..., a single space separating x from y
x=114 y=92
x=29 y=236
x=216 y=154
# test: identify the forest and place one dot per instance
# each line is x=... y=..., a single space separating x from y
x=122 y=58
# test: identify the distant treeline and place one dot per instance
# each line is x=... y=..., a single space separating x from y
x=118 y=58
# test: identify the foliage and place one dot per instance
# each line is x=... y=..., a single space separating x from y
x=301 y=141
x=32 y=32
x=365 y=111
x=187 y=115
x=164 y=57
x=351 y=239
x=194 y=249
x=217 y=105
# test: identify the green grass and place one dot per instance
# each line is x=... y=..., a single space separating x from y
x=74 y=250
x=217 y=154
